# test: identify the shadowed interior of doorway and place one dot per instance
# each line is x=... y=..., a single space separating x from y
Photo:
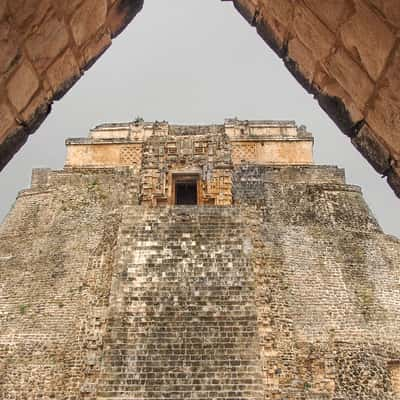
x=186 y=191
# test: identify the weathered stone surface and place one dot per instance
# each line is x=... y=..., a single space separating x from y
x=63 y=73
x=389 y=9
x=282 y=10
x=14 y=139
x=291 y=292
x=367 y=37
x=394 y=182
x=180 y=146
x=7 y=120
x=384 y=118
x=88 y=19
x=384 y=113
x=303 y=58
x=28 y=13
x=95 y=49
x=391 y=78
x=247 y=8
x=272 y=32
x=331 y=12
x=9 y=52
x=121 y=13
x=272 y=20
x=47 y=42
x=3 y=9
x=312 y=33
x=353 y=79
x=69 y=7
x=37 y=110
x=337 y=103
x=372 y=149
x=23 y=85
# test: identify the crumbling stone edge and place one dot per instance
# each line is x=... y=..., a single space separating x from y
x=119 y=16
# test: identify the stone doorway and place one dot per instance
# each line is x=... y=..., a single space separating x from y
x=186 y=190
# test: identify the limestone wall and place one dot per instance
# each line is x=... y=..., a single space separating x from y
x=56 y=261
x=328 y=295
x=272 y=152
x=103 y=154
x=292 y=292
x=255 y=142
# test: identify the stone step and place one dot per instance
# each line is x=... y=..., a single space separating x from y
x=153 y=395
x=194 y=323
x=109 y=371
x=124 y=376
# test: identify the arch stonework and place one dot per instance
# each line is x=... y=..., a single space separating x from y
x=345 y=52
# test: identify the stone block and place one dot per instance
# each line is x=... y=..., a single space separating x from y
x=384 y=113
x=63 y=73
x=95 y=49
x=69 y=7
x=367 y=143
x=3 y=9
x=282 y=10
x=22 y=85
x=9 y=51
x=303 y=58
x=272 y=20
x=384 y=118
x=40 y=177
x=336 y=102
x=273 y=33
x=7 y=120
x=351 y=77
x=36 y=111
x=392 y=76
x=389 y=9
x=368 y=38
x=331 y=12
x=47 y=42
x=16 y=137
x=28 y=13
x=312 y=33
x=88 y=19
x=334 y=89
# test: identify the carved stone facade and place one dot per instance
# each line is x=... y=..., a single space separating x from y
x=164 y=154
x=168 y=159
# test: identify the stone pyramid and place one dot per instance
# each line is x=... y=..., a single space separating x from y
x=197 y=262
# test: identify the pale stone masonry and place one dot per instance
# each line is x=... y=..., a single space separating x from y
x=197 y=262
x=163 y=152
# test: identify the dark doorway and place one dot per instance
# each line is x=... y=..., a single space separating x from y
x=186 y=192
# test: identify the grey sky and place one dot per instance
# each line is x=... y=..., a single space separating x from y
x=191 y=61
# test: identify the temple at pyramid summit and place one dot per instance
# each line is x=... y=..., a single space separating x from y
x=197 y=262
x=191 y=165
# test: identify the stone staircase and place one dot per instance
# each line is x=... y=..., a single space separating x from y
x=184 y=324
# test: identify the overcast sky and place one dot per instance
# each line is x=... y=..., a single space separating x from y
x=191 y=61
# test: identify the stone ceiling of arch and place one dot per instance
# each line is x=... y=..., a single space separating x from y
x=345 y=52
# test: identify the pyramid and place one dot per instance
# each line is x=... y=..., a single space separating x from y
x=197 y=262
